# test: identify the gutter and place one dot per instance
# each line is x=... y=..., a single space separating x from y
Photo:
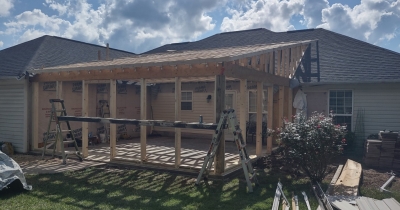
x=350 y=83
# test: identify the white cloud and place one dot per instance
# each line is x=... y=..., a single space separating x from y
x=6 y=6
x=312 y=12
x=130 y=25
x=271 y=14
x=372 y=20
x=1 y=44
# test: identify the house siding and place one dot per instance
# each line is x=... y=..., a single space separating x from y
x=381 y=103
x=13 y=113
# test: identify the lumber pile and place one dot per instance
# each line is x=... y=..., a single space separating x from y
x=383 y=153
x=346 y=184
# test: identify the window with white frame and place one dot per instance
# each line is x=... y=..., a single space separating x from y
x=341 y=105
x=253 y=105
x=186 y=100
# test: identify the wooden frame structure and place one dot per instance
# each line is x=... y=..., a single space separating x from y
x=271 y=65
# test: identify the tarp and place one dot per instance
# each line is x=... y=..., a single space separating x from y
x=10 y=171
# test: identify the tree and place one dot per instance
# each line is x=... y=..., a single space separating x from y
x=311 y=144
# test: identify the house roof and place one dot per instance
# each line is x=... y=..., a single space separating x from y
x=47 y=51
x=178 y=57
x=342 y=58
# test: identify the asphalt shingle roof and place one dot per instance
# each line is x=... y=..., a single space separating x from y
x=342 y=58
x=48 y=51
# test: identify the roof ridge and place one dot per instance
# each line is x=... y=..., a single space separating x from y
x=36 y=53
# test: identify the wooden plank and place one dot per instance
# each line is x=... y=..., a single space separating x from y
x=281 y=105
x=349 y=179
x=35 y=115
x=244 y=98
x=143 y=116
x=270 y=116
x=259 y=111
x=284 y=62
x=272 y=63
x=177 y=118
x=194 y=70
x=59 y=94
x=220 y=85
x=329 y=191
x=85 y=111
x=279 y=63
x=113 y=114
x=240 y=72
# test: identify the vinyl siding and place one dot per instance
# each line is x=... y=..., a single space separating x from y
x=13 y=112
x=381 y=103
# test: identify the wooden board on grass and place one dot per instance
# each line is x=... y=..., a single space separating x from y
x=349 y=180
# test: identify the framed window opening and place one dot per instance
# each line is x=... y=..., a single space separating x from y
x=186 y=100
x=252 y=106
x=341 y=106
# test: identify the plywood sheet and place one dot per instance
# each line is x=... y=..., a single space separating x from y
x=349 y=179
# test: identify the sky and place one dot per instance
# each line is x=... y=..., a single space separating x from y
x=141 y=25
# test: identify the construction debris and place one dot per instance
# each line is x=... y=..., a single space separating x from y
x=278 y=194
x=306 y=200
x=382 y=189
x=348 y=181
x=10 y=172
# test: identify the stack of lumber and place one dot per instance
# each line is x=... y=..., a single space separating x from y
x=388 y=147
x=372 y=152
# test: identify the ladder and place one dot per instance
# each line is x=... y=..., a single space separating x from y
x=59 y=133
x=229 y=117
x=105 y=113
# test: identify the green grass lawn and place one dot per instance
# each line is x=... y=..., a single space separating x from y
x=98 y=188
x=113 y=188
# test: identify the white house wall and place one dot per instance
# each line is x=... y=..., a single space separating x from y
x=381 y=103
x=13 y=113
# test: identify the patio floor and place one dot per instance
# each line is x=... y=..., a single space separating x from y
x=161 y=150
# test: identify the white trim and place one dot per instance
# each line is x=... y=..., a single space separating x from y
x=352 y=105
x=186 y=91
x=234 y=92
x=248 y=101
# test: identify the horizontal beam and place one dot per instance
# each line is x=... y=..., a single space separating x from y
x=195 y=70
x=240 y=72
x=159 y=123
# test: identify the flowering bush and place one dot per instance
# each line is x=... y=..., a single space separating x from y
x=311 y=144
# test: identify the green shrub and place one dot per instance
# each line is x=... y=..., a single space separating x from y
x=311 y=144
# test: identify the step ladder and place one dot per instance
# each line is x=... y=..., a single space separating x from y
x=105 y=113
x=58 y=141
x=228 y=120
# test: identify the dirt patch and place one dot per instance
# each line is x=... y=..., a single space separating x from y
x=24 y=159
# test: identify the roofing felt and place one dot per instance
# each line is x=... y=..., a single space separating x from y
x=342 y=58
x=181 y=57
x=48 y=51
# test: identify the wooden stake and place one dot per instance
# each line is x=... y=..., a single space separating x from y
x=35 y=115
x=113 y=114
x=220 y=85
x=270 y=116
x=244 y=98
x=85 y=125
x=259 y=119
x=177 y=118
x=143 y=116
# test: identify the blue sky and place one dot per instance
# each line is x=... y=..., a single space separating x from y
x=141 y=25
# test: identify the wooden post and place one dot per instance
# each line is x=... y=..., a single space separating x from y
x=35 y=115
x=244 y=98
x=270 y=117
x=143 y=116
x=59 y=95
x=113 y=114
x=259 y=119
x=177 y=118
x=279 y=65
x=272 y=63
x=220 y=85
x=85 y=125
x=281 y=105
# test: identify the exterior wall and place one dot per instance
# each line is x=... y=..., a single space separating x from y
x=381 y=103
x=14 y=113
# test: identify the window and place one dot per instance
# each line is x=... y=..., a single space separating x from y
x=253 y=105
x=186 y=100
x=341 y=105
